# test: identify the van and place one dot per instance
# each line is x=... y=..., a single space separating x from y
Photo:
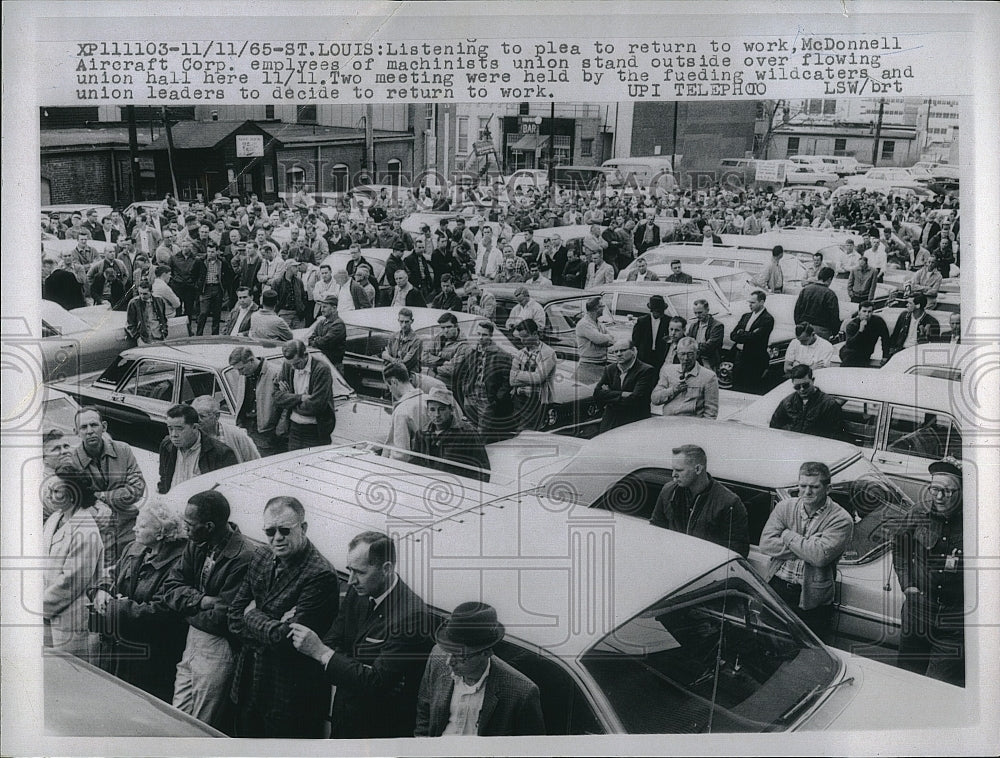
x=645 y=173
x=625 y=628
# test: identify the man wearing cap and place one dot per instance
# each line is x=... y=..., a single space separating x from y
x=329 y=333
x=928 y=558
x=467 y=690
x=447 y=438
x=649 y=335
x=376 y=650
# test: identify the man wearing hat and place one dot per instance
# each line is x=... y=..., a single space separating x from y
x=446 y=438
x=649 y=335
x=467 y=690
x=927 y=556
x=329 y=333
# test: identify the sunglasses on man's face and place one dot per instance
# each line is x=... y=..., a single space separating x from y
x=284 y=531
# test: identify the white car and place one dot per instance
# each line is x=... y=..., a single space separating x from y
x=623 y=627
x=797 y=173
x=903 y=422
x=943 y=360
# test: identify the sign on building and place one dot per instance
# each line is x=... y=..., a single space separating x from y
x=249 y=145
x=483 y=147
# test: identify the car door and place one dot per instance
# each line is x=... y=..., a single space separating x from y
x=362 y=360
x=138 y=406
x=862 y=419
x=913 y=438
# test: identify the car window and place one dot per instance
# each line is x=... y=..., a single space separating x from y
x=196 y=382
x=563 y=316
x=565 y=707
x=860 y=420
x=635 y=493
x=877 y=507
x=117 y=371
x=722 y=655
x=922 y=433
x=504 y=307
x=683 y=302
x=734 y=286
x=357 y=340
x=938 y=372
x=630 y=305
x=758 y=503
x=154 y=379
x=59 y=413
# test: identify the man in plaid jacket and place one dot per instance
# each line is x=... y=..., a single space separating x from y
x=277 y=692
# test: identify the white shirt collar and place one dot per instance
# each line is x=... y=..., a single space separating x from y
x=392 y=586
x=467 y=689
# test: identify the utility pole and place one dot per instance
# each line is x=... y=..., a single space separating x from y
x=673 y=141
x=878 y=131
x=170 y=153
x=133 y=151
x=552 y=139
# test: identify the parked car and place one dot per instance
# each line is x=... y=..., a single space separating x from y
x=139 y=385
x=81 y=700
x=377 y=256
x=902 y=422
x=624 y=628
x=843 y=165
x=753 y=262
x=626 y=302
x=812 y=174
x=815 y=194
x=64 y=211
x=573 y=409
x=624 y=470
x=85 y=339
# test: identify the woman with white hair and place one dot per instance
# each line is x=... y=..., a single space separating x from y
x=142 y=639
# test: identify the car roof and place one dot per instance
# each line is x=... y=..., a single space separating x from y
x=738 y=452
x=209 y=351
x=655 y=288
x=873 y=384
x=943 y=354
x=473 y=541
x=386 y=317
x=542 y=295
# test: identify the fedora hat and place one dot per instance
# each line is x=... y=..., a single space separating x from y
x=657 y=303
x=471 y=628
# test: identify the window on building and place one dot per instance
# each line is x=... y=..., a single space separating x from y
x=429 y=115
x=888 y=148
x=586 y=148
x=268 y=111
x=829 y=107
x=761 y=110
x=484 y=127
x=815 y=107
x=306 y=114
x=839 y=146
x=462 y=135
x=295 y=177
x=793 y=146
x=523 y=108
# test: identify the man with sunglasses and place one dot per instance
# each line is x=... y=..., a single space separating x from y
x=927 y=556
x=277 y=692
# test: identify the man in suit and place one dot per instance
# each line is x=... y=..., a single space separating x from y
x=238 y=322
x=277 y=692
x=305 y=390
x=750 y=337
x=647 y=235
x=481 y=383
x=461 y=666
x=649 y=335
x=708 y=333
x=625 y=387
x=915 y=326
x=376 y=649
x=186 y=451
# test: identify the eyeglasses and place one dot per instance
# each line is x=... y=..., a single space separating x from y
x=284 y=531
x=935 y=489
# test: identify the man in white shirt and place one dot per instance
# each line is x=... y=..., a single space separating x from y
x=808 y=349
x=325 y=284
x=161 y=289
x=462 y=672
x=239 y=317
x=525 y=308
x=271 y=268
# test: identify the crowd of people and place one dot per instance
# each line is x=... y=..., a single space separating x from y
x=250 y=638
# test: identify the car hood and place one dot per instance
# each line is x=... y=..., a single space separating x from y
x=101 y=316
x=917 y=702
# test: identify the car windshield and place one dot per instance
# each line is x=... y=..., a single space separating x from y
x=59 y=413
x=683 y=302
x=721 y=655
x=57 y=320
x=562 y=316
x=735 y=286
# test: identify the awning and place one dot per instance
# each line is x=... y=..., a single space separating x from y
x=530 y=143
